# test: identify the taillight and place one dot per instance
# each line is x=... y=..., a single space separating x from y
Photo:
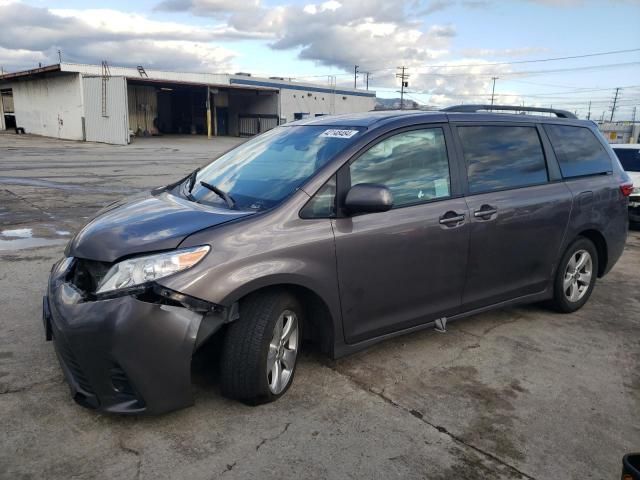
x=626 y=189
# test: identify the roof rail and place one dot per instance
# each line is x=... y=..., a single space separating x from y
x=515 y=108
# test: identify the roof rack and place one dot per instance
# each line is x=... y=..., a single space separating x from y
x=515 y=108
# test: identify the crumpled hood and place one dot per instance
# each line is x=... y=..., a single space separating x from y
x=147 y=223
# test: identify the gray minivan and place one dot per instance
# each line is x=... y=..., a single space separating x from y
x=342 y=231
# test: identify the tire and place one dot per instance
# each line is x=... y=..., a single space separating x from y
x=571 y=288
x=252 y=355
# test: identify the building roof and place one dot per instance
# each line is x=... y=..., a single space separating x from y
x=192 y=78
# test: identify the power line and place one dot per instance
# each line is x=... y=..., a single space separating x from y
x=586 y=55
x=517 y=62
x=536 y=72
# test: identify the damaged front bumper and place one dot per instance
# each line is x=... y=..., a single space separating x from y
x=128 y=354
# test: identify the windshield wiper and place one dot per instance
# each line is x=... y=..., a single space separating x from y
x=225 y=196
x=191 y=180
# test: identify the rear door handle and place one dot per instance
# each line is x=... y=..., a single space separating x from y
x=485 y=211
x=451 y=218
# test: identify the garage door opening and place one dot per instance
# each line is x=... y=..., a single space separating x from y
x=7 y=109
x=157 y=109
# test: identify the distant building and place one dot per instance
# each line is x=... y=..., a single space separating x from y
x=620 y=132
x=112 y=104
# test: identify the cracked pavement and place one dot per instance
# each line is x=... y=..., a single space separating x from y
x=517 y=393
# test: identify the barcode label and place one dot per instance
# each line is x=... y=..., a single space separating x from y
x=335 y=133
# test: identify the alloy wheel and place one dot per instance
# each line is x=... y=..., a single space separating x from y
x=283 y=350
x=577 y=276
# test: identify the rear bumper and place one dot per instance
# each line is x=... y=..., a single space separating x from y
x=122 y=355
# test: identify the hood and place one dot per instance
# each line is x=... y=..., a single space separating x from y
x=146 y=223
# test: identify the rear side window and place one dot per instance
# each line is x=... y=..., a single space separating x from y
x=578 y=151
x=501 y=157
x=629 y=158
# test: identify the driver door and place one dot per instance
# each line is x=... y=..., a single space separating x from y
x=405 y=266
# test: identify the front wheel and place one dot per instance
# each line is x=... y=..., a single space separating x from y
x=261 y=348
x=576 y=276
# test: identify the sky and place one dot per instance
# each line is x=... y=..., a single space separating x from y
x=452 y=49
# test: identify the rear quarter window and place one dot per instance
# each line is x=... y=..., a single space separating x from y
x=578 y=151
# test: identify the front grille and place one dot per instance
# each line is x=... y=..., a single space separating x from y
x=86 y=275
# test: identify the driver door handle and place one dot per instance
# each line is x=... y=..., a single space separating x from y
x=451 y=218
x=485 y=211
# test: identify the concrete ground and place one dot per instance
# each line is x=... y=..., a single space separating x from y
x=516 y=393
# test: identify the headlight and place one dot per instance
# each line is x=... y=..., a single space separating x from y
x=136 y=271
x=635 y=190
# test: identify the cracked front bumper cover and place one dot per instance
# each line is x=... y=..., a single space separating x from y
x=122 y=354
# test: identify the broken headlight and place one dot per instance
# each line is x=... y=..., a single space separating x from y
x=139 y=270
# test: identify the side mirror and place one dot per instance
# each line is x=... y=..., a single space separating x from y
x=368 y=198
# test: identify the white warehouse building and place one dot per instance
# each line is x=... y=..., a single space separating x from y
x=115 y=104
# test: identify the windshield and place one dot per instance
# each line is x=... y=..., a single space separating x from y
x=629 y=158
x=262 y=172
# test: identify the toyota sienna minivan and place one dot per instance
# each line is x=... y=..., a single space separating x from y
x=342 y=231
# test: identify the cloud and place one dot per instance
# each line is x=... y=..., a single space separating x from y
x=29 y=35
x=207 y=7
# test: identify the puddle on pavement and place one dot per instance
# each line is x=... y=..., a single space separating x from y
x=22 y=238
x=22 y=243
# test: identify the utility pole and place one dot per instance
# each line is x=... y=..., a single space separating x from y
x=59 y=56
x=404 y=82
x=589 y=112
x=355 y=76
x=633 y=115
x=367 y=74
x=493 y=89
x=613 y=107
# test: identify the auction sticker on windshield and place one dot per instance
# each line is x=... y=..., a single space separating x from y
x=336 y=133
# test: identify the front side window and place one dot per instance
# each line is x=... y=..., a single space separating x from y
x=262 y=172
x=502 y=157
x=413 y=165
x=578 y=150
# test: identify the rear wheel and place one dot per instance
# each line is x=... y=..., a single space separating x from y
x=576 y=276
x=261 y=348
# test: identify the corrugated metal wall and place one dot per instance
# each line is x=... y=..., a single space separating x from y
x=50 y=106
x=105 y=110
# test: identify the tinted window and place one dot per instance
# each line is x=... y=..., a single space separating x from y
x=502 y=157
x=413 y=165
x=578 y=150
x=629 y=158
